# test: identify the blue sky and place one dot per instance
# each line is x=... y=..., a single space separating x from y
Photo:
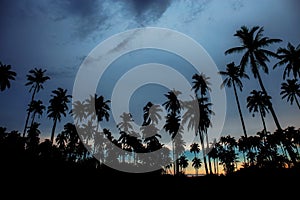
x=58 y=35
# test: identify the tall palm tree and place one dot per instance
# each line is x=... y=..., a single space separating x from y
x=6 y=74
x=36 y=78
x=58 y=107
x=196 y=163
x=290 y=57
x=253 y=43
x=201 y=84
x=258 y=102
x=172 y=125
x=233 y=78
x=291 y=90
x=36 y=107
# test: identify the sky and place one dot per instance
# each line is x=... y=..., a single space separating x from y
x=59 y=35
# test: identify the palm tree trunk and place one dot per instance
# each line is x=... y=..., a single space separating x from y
x=208 y=157
x=53 y=130
x=270 y=106
x=203 y=152
x=28 y=114
x=263 y=121
x=33 y=117
x=26 y=123
x=239 y=109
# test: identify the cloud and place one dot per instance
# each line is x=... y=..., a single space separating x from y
x=86 y=16
x=146 y=11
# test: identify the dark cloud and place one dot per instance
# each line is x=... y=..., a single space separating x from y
x=87 y=16
x=147 y=10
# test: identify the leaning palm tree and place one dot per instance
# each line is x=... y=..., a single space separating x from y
x=253 y=43
x=36 y=78
x=291 y=90
x=290 y=57
x=233 y=75
x=258 y=102
x=6 y=74
x=58 y=107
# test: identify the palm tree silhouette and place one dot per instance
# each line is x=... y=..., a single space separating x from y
x=36 y=107
x=196 y=163
x=6 y=74
x=253 y=43
x=172 y=124
x=290 y=57
x=151 y=113
x=258 y=102
x=183 y=163
x=291 y=90
x=233 y=78
x=78 y=111
x=201 y=84
x=102 y=108
x=58 y=107
x=36 y=78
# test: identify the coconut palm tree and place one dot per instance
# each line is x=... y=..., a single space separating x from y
x=6 y=75
x=58 y=107
x=36 y=107
x=258 y=102
x=291 y=90
x=172 y=125
x=290 y=57
x=35 y=78
x=102 y=108
x=201 y=84
x=151 y=113
x=78 y=111
x=253 y=43
x=233 y=75
x=183 y=163
x=196 y=163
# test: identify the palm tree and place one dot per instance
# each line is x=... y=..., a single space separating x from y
x=102 y=108
x=58 y=107
x=36 y=78
x=125 y=124
x=183 y=163
x=36 y=107
x=6 y=74
x=291 y=90
x=172 y=125
x=258 y=102
x=233 y=78
x=78 y=111
x=290 y=57
x=151 y=113
x=201 y=84
x=196 y=163
x=253 y=43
